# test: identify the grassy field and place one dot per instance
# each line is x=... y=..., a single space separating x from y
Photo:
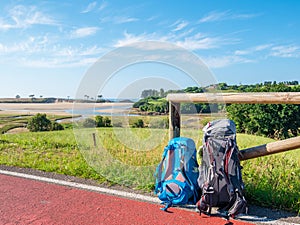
x=10 y=121
x=129 y=157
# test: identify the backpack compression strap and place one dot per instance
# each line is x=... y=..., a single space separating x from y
x=237 y=202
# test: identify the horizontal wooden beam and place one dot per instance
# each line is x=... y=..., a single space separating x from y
x=270 y=148
x=239 y=98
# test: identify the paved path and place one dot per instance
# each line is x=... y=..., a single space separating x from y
x=26 y=201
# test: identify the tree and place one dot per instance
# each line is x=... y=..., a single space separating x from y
x=32 y=97
x=277 y=121
x=149 y=93
x=18 y=96
x=99 y=121
x=161 y=93
x=223 y=86
x=39 y=122
x=193 y=90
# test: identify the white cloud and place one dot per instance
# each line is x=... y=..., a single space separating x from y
x=255 y=49
x=192 y=42
x=27 y=46
x=152 y=18
x=118 y=19
x=200 y=41
x=93 y=50
x=57 y=62
x=90 y=7
x=286 y=51
x=72 y=52
x=262 y=47
x=103 y=6
x=224 y=61
x=179 y=25
x=244 y=16
x=54 y=57
x=215 y=16
x=40 y=52
x=25 y=16
x=130 y=39
x=283 y=51
x=84 y=32
x=242 y=52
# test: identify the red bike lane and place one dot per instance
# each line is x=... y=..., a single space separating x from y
x=26 y=201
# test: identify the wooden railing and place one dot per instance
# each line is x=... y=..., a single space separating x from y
x=236 y=98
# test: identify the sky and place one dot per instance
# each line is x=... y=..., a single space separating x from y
x=48 y=47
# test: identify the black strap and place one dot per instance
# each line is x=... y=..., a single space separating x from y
x=170 y=189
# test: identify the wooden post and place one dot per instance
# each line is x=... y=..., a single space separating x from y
x=270 y=148
x=94 y=139
x=174 y=120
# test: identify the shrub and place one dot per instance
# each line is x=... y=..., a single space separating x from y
x=138 y=124
x=56 y=126
x=101 y=121
x=39 y=122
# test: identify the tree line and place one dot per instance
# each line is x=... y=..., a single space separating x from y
x=277 y=121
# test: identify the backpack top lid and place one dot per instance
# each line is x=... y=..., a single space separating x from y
x=220 y=128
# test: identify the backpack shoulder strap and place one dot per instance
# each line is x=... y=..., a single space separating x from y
x=159 y=173
x=232 y=172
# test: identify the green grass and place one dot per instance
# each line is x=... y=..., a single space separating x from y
x=128 y=156
x=271 y=181
x=9 y=122
x=46 y=151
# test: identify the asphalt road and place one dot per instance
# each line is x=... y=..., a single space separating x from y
x=26 y=201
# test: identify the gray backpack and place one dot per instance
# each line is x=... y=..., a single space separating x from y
x=220 y=177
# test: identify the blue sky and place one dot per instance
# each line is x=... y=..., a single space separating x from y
x=46 y=47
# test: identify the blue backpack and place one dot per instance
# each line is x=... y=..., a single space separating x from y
x=177 y=174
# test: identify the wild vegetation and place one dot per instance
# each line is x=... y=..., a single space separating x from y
x=40 y=122
x=98 y=121
x=32 y=122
